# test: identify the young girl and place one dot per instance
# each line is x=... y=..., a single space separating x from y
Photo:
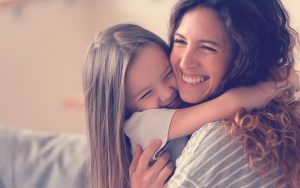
x=128 y=71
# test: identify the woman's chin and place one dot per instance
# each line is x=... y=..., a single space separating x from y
x=192 y=97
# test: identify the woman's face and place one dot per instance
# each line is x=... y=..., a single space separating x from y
x=201 y=54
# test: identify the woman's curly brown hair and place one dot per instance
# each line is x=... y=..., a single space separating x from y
x=263 y=43
x=271 y=137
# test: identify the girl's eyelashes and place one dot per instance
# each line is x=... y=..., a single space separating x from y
x=148 y=92
x=169 y=73
x=145 y=95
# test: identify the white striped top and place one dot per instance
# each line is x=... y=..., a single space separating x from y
x=213 y=160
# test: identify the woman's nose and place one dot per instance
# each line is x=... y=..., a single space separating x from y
x=188 y=60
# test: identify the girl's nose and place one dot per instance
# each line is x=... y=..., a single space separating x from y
x=167 y=94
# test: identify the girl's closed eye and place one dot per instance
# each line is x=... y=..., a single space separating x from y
x=169 y=74
x=145 y=95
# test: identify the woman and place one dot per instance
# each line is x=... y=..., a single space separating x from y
x=230 y=44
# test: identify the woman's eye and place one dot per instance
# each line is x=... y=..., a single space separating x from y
x=208 y=49
x=179 y=41
x=145 y=95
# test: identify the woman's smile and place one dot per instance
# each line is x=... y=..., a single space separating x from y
x=194 y=80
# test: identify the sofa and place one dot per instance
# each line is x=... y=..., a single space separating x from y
x=32 y=159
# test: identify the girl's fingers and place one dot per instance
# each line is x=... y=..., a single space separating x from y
x=135 y=159
x=146 y=157
x=141 y=174
x=160 y=163
x=294 y=80
x=166 y=172
x=144 y=175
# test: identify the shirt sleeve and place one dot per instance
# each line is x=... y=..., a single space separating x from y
x=143 y=127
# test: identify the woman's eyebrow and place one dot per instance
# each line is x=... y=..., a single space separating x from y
x=208 y=41
x=200 y=40
x=180 y=35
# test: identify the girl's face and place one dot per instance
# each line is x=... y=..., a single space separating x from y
x=150 y=82
x=200 y=55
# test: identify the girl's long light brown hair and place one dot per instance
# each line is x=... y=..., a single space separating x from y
x=263 y=42
x=104 y=92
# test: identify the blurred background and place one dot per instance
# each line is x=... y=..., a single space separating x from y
x=43 y=45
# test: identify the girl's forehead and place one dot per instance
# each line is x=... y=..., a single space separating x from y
x=149 y=65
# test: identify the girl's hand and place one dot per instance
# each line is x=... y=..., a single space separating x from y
x=144 y=175
x=259 y=95
x=294 y=79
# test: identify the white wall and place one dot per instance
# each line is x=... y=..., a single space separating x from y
x=42 y=48
x=43 y=45
x=293 y=7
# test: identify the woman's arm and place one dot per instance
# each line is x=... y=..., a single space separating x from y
x=188 y=120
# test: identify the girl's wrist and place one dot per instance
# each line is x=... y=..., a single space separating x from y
x=232 y=102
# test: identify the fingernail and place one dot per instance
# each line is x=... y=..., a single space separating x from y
x=157 y=141
x=136 y=148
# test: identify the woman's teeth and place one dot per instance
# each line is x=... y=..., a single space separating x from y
x=193 y=80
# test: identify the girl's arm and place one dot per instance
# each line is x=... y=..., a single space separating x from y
x=187 y=120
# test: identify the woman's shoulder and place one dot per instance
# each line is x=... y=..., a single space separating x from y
x=213 y=159
x=209 y=143
x=201 y=139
